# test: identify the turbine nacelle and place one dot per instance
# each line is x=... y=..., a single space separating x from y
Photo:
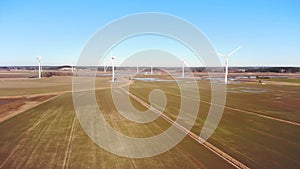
x=112 y=57
x=39 y=58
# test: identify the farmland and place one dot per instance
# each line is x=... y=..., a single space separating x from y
x=248 y=137
x=254 y=129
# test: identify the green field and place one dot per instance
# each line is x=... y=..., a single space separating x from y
x=50 y=136
x=39 y=139
x=19 y=87
x=256 y=141
x=289 y=80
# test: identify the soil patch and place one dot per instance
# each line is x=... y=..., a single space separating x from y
x=10 y=107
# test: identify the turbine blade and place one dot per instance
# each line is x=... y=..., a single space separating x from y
x=234 y=51
x=220 y=54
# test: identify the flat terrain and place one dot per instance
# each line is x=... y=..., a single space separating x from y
x=257 y=141
x=32 y=86
x=10 y=107
x=259 y=128
x=49 y=136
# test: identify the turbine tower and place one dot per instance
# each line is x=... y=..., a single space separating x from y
x=137 y=69
x=113 y=68
x=182 y=68
x=226 y=61
x=151 y=70
x=105 y=66
x=39 y=59
x=72 y=67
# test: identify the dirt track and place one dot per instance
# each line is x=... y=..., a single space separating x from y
x=206 y=144
x=246 y=111
x=21 y=104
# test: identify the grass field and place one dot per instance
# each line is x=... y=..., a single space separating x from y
x=58 y=84
x=50 y=136
x=42 y=134
x=290 y=80
x=254 y=140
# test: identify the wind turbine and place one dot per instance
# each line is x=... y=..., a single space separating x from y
x=105 y=66
x=151 y=70
x=137 y=69
x=183 y=68
x=72 y=67
x=113 y=68
x=39 y=59
x=226 y=61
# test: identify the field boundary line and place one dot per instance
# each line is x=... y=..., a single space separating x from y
x=244 y=111
x=60 y=92
x=56 y=94
x=234 y=162
x=15 y=113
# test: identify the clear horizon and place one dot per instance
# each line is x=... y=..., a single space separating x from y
x=268 y=31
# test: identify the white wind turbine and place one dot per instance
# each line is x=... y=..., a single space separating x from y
x=183 y=62
x=39 y=59
x=105 y=66
x=113 y=68
x=72 y=67
x=226 y=60
x=151 y=71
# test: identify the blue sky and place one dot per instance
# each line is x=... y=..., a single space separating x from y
x=269 y=31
